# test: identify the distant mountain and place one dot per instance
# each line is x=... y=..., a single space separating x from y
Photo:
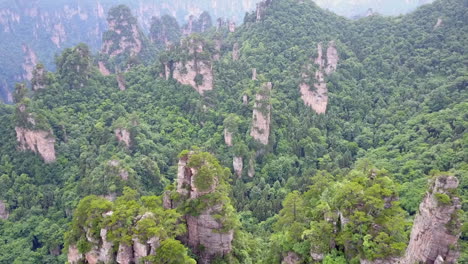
x=351 y=8
x=34 y=31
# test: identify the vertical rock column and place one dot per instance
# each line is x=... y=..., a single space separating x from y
x=436 y=228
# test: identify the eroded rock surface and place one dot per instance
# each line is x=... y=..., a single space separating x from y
x=435 y=229
x=291 y=258
x=38 y=81
x=37 y=141
x=235 y=52
x=30 y=61
x=238 y=165
x=203 y=230
x=262 y=115
x=126 y=36
x=74 y=256
x=121 y=82
x=3 y=210
x=316 y=95
x=123 y=135
x=124 y=254
x=195 y=72
x=228 y=137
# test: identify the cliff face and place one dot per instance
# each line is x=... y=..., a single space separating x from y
x=102 y=250
x=3 y=210
x=30 y=61
x=436 y=228
x=316 y=96
x=261 y=116
x=207 y=235
x=123 y=34
x=123 y=136
x=37 y=141
x=47 y=27
x=39 y=78
x=197 y=71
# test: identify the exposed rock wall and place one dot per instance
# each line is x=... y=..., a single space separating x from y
x=102 y=250
x=121 y=82
x=30 y=61
x=235 y=52
x=438 y=23
x=203 y=230
x=38 y=81
x=127 y=37
x=317 y=97
x=262 y=115
x=238 y=165
x=195 y=72
x=74 y=256
x=228 y=137
x=103 y=69
x=435 y=230
x=251 y=171
x=291 y=258
x=123 y=135
x=3 y=210
x=261 y=9
x=37 y=141
x=186 y=74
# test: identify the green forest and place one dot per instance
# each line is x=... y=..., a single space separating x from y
x=395 y=121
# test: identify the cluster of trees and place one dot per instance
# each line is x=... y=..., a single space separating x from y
x=397 y=100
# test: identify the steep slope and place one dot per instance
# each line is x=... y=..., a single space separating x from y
x=396 y=102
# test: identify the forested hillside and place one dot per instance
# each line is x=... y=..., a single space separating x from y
x=298 y=137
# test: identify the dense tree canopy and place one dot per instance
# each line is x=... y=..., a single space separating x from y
x=349 y=180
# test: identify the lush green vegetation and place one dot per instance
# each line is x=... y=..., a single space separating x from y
x=397 y=115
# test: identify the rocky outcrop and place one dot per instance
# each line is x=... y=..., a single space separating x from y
x=205 y=231
x=232 y=26
x=164 y=31
x=291 y=258
x=195 y=72
x=121 y=82
x=261 y=9
x=106 y=253
x=235 y=52
x=206 y=234
x=39 y=78
x=124 y=254
x=436 y=228
x=103 y=69
x=74 y=256
x=261 y=117
x=123 y=135
x=251 y=171
x=317 y=97
x=238 y=165
x=37 y=141
x=102 y=250
x=30 y=60
x=439 y=23
x=198 y=24
x=228 y=137
x=3 y=210
x=123 y=35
